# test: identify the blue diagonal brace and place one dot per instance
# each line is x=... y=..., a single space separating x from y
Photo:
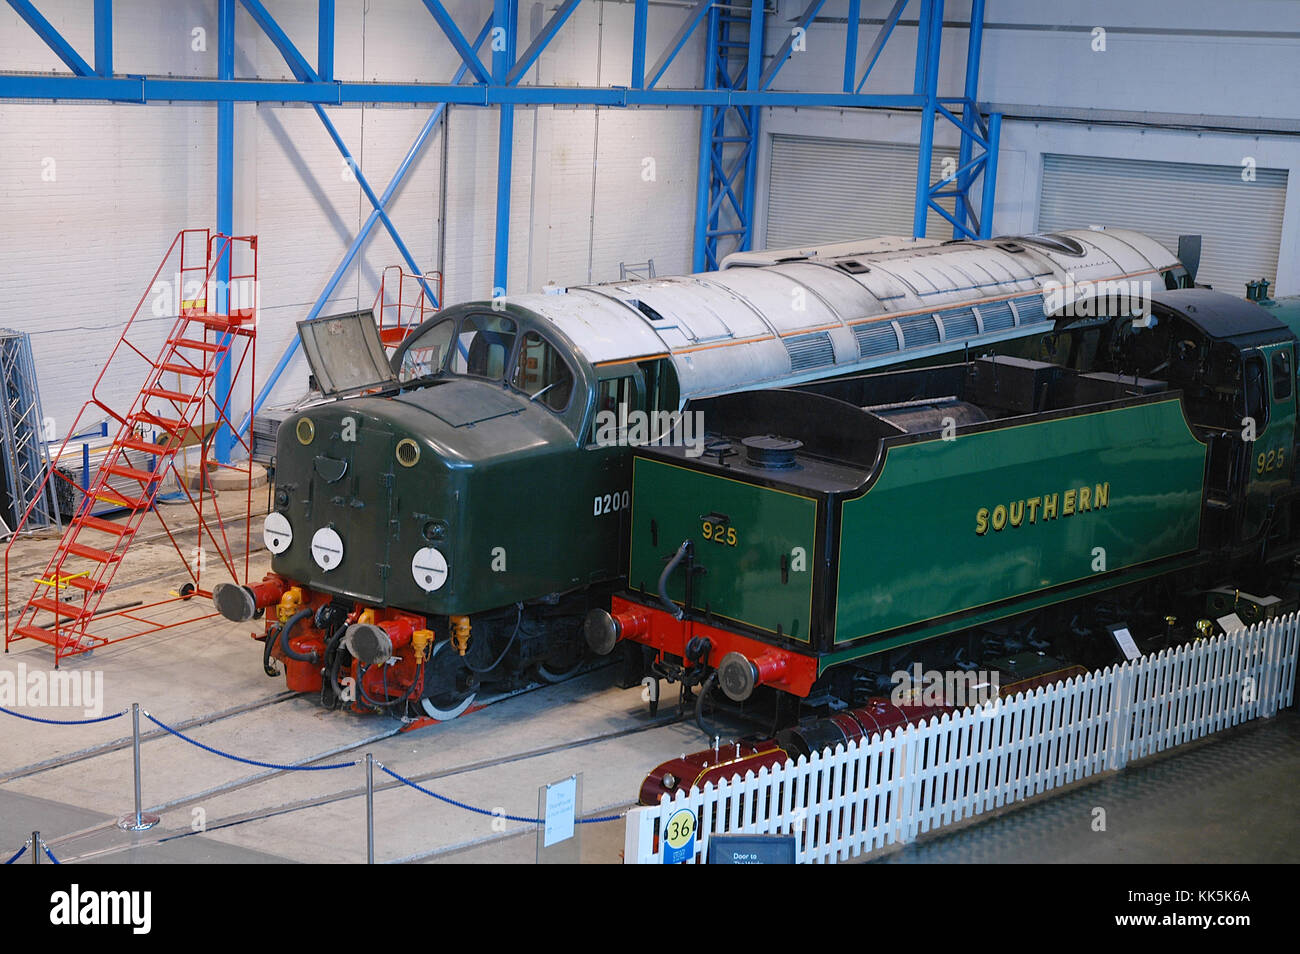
x=886 y=29
x=359 y=242
x=52 y=37
x=540 y=42
x=683 y=34
x=783 y=54
x=458 y=40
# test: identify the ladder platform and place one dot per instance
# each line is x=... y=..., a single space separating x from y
x=59 y=608
x=105 y=526
x=91 y=553
x=187 y=370
x=147 y=447
x=178 y=396
x=144 y=476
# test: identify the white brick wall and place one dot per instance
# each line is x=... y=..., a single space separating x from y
x=129 y=177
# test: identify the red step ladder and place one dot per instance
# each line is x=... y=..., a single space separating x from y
x=175 y=408
x=404 y=301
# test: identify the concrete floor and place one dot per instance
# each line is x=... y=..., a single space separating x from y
x=1229 y=799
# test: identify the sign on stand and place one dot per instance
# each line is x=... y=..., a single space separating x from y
x=558 y=806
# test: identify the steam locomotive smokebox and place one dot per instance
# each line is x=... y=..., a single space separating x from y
x=1014 y=385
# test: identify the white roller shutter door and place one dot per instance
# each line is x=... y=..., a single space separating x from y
x=831 y=190
x=1240 y=222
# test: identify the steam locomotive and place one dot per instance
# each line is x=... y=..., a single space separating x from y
x=833 y=533
x=446 y=519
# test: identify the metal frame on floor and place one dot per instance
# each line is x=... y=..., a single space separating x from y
x=735 y=87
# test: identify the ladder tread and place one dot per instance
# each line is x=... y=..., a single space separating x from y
x=104 y=526
x=144 y=476
x=59 y=607
x=174 y=368
x=179 y=396
x=90 y=553
x=109 y=495
x=197 y=344
x=147 y=447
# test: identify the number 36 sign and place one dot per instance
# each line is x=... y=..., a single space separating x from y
x=679 y=837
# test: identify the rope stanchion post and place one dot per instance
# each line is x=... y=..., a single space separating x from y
x=139 y=821
x=36 y=853
x=370 y=809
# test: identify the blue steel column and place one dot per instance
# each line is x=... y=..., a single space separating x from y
x=990 y=176
x=703 y=193
x=970 y=115
x=753 y=68
x=505 y=18
x=104 y=37
x=225 y=440
x=929 y=32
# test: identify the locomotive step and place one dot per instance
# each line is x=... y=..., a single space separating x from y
x=196 y=344
x=91 y=553
x=147 y=447
x=186 y=369
x=179 y=396
x=144 y=476
x=60 y=608
x=105 y=526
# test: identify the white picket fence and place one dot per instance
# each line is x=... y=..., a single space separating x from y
x=891 y=788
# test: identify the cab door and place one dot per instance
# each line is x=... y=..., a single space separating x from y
x=1269 y=383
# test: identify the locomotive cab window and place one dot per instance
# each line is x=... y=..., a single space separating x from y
x=1282 y=374
x=1256 y=391
x=483 y=345
x=542 y=373
x=427 y=354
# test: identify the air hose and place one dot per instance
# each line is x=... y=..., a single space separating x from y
x=680 y=555
x=519 y=615
x=288 y=650
x=699 y=703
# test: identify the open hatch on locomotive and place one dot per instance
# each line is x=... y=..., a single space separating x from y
x=829 y=526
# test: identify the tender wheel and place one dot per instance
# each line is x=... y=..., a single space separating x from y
x=444 y=700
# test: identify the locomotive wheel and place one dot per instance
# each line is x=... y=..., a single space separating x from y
x=444 y=700
x=561 y=665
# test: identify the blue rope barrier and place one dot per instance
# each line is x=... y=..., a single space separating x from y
x=451 y=801
x=482 y=811
x=49 y=854
x=236 y=758
x=16 y=855
x=19 y=715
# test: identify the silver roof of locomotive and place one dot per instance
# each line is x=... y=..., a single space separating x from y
x=777 y=317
